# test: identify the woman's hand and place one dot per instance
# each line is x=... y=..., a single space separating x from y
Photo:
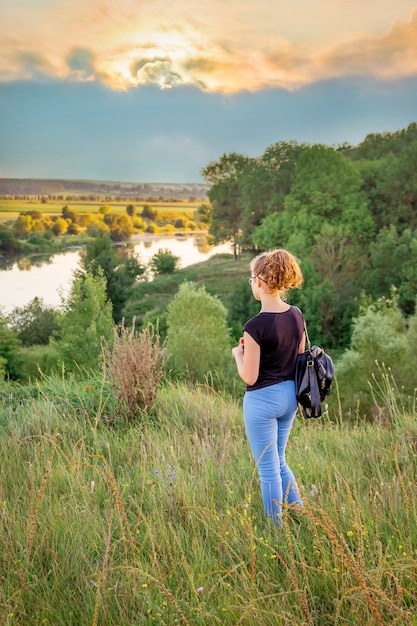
x=239 y=350
x=247 y=356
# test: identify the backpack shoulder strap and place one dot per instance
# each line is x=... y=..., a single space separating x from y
x=305 y=326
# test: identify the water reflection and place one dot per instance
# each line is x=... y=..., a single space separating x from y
x=48 y=276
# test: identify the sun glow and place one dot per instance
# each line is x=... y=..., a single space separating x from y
x=212 y=45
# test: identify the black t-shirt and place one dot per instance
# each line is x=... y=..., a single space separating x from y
x=279 y=336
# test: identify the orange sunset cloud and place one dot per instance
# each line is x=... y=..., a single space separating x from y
x=214 y=47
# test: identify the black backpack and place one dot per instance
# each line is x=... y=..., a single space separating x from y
x=314 y=373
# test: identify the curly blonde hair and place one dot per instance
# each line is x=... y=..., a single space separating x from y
x=278 y=269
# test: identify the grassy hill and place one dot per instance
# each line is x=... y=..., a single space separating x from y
x=161 y=521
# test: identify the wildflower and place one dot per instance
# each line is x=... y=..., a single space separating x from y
x=273 y=556
x=200 y=589
x=350 y=533
x=144 y=585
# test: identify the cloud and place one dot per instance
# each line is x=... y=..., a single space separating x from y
x=216 y=46
x=80 y=62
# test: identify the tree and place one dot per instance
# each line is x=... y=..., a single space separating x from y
x=86 y=319
x=382 y=354
x=60 y=226
x=34 y=323
x=265 y=182
x=22 y=226
x=119 y=268
x=204 y=213
x=164 y=262
x=226 y=198
x=10 y=358
x=131 y=210
x=148 y=212
x=67 y=214
x=9 y=245
x=393 y=263
x=120 y=226
x=198 y=338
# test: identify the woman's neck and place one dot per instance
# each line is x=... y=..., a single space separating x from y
x=272 y=303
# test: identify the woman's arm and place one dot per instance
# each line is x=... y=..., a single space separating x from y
x=302 y=346
x=247 y=356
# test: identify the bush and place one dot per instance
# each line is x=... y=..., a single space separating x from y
x=86 y=319
x=164 y=262
x=97 y=228
x=380 y=343
x=198 y=338
x=134 y=366
x=10 y=357
x=34 y=323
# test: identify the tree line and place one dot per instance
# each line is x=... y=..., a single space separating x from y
x=348 y=212
x=38 y=229
x=15 y=187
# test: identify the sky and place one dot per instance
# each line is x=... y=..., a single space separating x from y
x=152 y=90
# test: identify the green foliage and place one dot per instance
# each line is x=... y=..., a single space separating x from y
x=10 y=357
x=34 y=323
x=130 y=210
x=38 y=361
x=393 y=263
x=382 y=341
x=198 y=338
x=204 y=213
x=86 y=320
x=120 y=269
x=240 y=307
x=226 y=198
x=164 y=262
x=9 y=245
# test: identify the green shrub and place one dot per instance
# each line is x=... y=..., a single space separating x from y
x=198 y=338
x=383 y=343
x=164 y=262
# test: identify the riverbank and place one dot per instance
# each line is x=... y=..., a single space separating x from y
x=48 y=276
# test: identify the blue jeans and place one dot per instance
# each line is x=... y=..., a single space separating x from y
x=269 y=415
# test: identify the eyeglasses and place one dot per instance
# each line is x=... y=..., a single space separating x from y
x=251 y=278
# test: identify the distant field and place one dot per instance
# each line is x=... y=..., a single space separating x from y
x=10 y=209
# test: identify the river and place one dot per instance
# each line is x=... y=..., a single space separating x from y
x=51 y=279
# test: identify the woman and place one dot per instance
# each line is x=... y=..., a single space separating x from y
x=265 y=359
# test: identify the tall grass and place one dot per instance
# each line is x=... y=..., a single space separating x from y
x=162 y=522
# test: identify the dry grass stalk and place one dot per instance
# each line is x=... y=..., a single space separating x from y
x=135 y=368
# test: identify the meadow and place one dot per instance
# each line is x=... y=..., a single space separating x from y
x=11 y=209
x=160 y=521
